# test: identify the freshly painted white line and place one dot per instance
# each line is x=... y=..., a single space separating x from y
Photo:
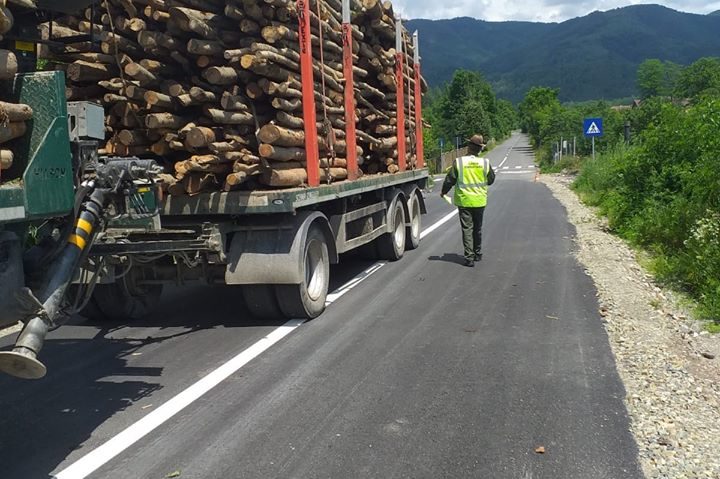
x=342 y=291
x=100 y=456
x=503 y=161
x=437 y=225
x=505 y=167
x=518 y=167
x=532 y=167
x=515 y=172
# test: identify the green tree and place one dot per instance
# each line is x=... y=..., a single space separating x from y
x=651 y=78
x=671 y=77
x=700 y=78
x=472 y=118
x=657 y=78
x=534 y=108
x=505 y=118
x=644 y=116
x=467 y=106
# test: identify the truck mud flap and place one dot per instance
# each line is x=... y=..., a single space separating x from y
x=270 y=253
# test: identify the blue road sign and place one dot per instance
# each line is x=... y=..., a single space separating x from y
x=593 y=127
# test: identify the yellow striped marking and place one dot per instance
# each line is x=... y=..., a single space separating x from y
x=24 y=46
x=84 y=225
x=77 y=241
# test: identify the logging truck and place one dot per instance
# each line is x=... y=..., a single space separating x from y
x=85 y=228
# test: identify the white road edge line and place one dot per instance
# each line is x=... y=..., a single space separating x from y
x=104 y=453
x=437 y=225
x=342 y=291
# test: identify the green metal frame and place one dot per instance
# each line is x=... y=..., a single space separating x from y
x=282 y=201
x=42 y=157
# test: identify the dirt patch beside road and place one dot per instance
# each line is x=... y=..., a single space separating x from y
x=669 y=365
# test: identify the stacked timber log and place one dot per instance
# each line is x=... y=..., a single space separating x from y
x=213 y=87
x=12 y=116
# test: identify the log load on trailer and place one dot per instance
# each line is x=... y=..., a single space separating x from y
x=278 y=158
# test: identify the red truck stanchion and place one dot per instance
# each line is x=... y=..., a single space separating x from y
x=418 y=105
x=352 y=164
x=400 y=80
x=308 y=91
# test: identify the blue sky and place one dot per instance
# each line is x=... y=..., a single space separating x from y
x=531 y=10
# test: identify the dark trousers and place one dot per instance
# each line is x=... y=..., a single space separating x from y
x=471 y=220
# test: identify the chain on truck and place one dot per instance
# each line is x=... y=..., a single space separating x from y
x=86 y=233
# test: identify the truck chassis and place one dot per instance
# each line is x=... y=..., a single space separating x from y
x=277 y=244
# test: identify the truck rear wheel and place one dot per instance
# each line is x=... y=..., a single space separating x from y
x=123 y=300
x=391 y=246
x=415 y=222
x=307 y=299
x=260 y=300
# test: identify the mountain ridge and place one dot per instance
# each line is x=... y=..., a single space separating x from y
x=590 y=57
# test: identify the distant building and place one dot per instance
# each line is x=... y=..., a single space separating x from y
x=635 y=104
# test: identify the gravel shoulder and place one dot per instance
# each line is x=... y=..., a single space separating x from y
x=669 y=365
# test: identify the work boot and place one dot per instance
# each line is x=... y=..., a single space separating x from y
x=478 y=257
x=469 y=263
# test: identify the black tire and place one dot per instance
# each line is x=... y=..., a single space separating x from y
x=123 y=300
x=415 y=220
x=391 y=246
x=307 y=299
x=261 y=302
x=90 y=311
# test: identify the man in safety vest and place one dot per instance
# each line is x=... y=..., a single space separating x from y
x=471 y=175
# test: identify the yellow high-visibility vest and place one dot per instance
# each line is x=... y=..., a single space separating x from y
x=471 y=189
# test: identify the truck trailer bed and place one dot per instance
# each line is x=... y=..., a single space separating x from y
x=281 y=201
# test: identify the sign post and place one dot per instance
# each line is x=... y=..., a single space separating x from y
x=442 y=147
x=593 y=127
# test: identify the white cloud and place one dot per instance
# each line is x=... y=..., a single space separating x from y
x=535 y=11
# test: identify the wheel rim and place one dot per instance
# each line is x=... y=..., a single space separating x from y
x=415 y=220
x=314 y=271
x=399 y=234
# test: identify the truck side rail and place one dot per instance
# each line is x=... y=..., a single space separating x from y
x=282 y=201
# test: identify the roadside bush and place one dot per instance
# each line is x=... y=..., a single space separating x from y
x=703 y=253
x=663 y=194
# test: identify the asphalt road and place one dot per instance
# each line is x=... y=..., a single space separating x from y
x=425 y=369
